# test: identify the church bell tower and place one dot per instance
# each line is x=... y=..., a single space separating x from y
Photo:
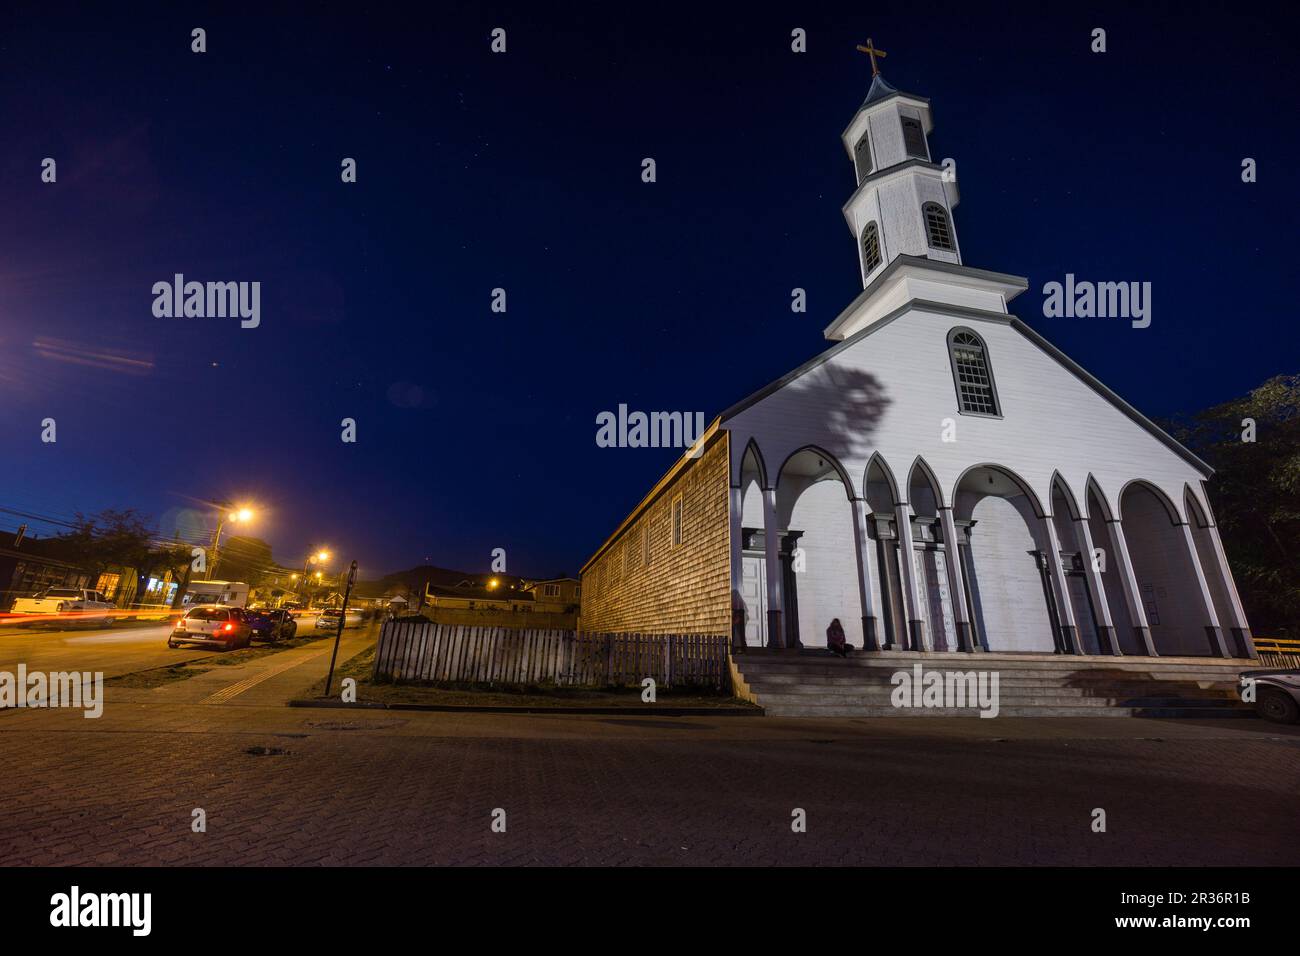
x=903 y=203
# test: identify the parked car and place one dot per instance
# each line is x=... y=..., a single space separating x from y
x=77 y=604
x=211 y=625
x=1277 y=693
x=271 y=624
x=329 y=619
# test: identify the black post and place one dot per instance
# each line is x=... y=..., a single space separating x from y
x=352 y=576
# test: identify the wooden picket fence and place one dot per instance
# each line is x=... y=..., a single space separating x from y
x=425 y=651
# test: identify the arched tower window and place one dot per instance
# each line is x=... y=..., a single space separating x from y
x=938 y=227
x=862 y=158
x=870 y=248
x=971 y=373
x=914 y=138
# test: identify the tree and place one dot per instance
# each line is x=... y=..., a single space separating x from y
x=1253 y=443
x=121 y=539
x=109 y=538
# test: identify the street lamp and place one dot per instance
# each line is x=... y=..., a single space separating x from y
x=319 y=557
x=229 y=513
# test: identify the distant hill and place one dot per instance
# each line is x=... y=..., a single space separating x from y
x=414 y=580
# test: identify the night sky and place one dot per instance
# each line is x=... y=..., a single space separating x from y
x=477 y=430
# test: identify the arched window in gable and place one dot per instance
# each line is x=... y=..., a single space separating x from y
x=971 y=374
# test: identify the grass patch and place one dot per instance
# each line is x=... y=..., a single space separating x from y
x=158 y=676
x=443 y=693
x=253 y=652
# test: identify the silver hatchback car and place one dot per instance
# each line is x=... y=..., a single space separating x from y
x=1277 y=693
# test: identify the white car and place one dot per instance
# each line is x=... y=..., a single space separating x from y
x=211 y=625
x=1277 y=693
x=329 y=619
x=76 y=604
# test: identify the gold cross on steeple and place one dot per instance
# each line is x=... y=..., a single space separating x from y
x=871 y=51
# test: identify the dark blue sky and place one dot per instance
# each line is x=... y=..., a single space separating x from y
x=522 y=171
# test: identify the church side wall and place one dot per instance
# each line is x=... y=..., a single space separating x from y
x=684 y=589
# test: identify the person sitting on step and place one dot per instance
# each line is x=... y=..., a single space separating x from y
x=835 y=639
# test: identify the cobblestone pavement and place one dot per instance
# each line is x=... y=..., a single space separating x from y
x=284 y=786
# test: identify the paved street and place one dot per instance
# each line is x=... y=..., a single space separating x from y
x=120 y=649
x=115 y=650
x=283 y=786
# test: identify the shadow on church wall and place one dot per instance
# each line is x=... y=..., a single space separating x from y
x=849 y=403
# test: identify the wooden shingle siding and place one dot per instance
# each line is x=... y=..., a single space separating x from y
x=685 y=588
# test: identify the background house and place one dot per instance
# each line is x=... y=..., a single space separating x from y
x=504 y=602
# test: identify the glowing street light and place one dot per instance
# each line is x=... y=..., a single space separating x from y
x=314 y=557
x=236 y=515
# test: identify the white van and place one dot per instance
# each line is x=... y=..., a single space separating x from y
x=228 y=593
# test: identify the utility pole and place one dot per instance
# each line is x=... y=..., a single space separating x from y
x=216 y=550
x=236 y=515
x=338 y=635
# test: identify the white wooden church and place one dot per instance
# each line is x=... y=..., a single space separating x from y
x=941 y=478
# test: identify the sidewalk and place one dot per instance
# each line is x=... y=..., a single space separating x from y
x=266 y=681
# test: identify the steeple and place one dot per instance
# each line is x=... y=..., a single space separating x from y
x=903 y=205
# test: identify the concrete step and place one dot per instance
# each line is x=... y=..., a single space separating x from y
x=802 y=706
x=816 y=684
x=1050 y=699
x=1010 y=660
x=884 y=674
x=1005 y=681
x=986 y=661
x=816 y=653
x=1172 y=712
x=766 y=691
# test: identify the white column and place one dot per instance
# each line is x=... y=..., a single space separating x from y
x=772 y=550
x=1240 y=629
x=1212 y=629
x=1096 y=588
x=916 y=640
x=887 y=562
x=1132 y=596
x=737 y=502
x=956 y=581
x=1064 y=606
x=861 y=541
